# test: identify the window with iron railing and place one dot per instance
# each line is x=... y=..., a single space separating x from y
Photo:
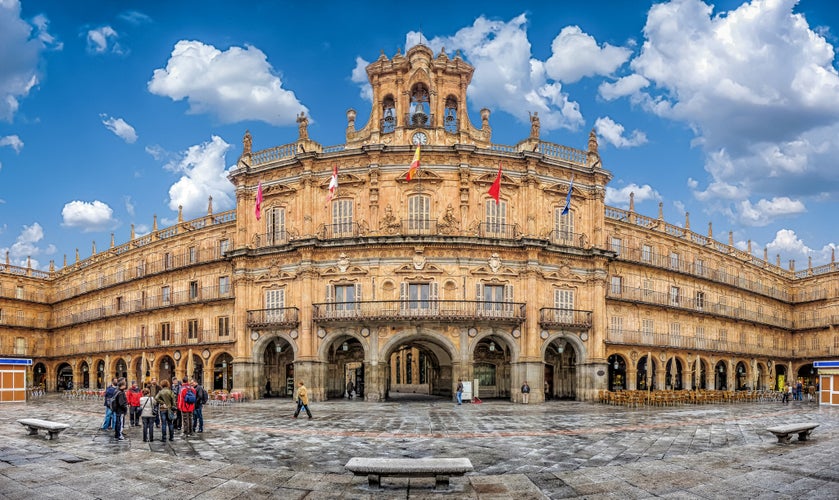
x=224 y=326
x=165 y=332
x=275 y=225
x=274 y=305
x=342 y=217
x=495 y=217
x=615 y=285
x=419 y=297
x=646 y=253
x=192 y=329
x=224 y=285
x=564 y=304
x=419 y=212
x=564 y=224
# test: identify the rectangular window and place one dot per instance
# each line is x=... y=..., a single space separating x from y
x=647 y=330
x=699 y=267
x=224 y=326
x=19 y=292
x=223 y=246
x=495 y=217
x=20 y=345
x=193 y=255
x=564 y=226
x=615 y=285
x=224 y=285
x=674 y=260
x=193 y=290
x=674 y=296
x=723 y=335
x=275 y=305
x=192 y=329
x=120 y=275
x=646 y=253
x=167 y=260
x=344 y=298
x=419 y=213
x=675 y=329
x=165 y=332
x=118 y=304
x=648 y=288
x=418 y=298
x=616 y=324
x=342 y=218
x=275 y=226
x=699 y=302
x=166 y=295
x=615 y=244
x=141 y=268
x=493 y=298
x=564 y=303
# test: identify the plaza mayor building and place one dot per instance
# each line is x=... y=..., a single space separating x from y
x=343 y=263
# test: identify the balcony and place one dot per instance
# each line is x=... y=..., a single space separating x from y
x=144 y=343
x=498 y=231
x=281 y=317
x=657 y=340
x=551 y=317
x=469 y=311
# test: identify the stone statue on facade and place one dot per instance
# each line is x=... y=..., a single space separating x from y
x=449 y=224
x=303 y=126
x=534 y=125
x=389 y=224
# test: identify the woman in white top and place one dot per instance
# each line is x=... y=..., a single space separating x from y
x=147 y=405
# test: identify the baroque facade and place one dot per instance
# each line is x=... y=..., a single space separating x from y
x=407 y=286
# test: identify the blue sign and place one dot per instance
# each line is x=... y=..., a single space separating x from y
x=15 y=361
x=826 y=364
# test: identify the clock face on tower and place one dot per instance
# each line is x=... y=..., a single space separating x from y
x=419 y=138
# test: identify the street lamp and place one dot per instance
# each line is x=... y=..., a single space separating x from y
x=278 y=347
x=491 y=346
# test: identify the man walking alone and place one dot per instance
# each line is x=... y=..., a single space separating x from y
x=302 y=400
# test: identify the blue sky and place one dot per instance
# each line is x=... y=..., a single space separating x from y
x=113 y=112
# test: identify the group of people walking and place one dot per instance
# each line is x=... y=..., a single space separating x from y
x=170 y=407
x=797 y=391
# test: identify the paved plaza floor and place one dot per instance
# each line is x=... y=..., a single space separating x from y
x=557 y=450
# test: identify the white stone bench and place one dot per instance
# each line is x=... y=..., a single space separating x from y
x=785 y=432
x=34 y=424
x=438 y=468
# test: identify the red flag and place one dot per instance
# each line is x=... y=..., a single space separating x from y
x=333 y=183
x=412 y=172
x=258 y=210
x=495 y=189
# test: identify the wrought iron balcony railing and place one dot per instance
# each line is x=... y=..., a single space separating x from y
x=277 y=317
x=572 y=318
x=432 y=310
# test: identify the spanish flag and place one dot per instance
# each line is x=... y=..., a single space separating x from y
x=412 y=172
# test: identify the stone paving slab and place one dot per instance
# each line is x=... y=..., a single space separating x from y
x=556 y=450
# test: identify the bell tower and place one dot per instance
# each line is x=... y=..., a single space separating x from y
x=419 y=99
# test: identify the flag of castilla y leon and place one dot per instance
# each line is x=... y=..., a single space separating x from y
x=495 y=189
x=412 y=172
x=333 y=183
x=258 y=209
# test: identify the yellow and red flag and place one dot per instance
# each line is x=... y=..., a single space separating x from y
x=412 y=172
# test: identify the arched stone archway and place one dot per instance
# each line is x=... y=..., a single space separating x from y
x=562 y=354
x=427 y=357
x=617 y=372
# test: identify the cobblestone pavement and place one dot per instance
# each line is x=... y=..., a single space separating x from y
x=556 y=450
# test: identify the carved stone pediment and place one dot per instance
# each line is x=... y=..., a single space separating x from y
x=411 y=268
x=561 y=189
x=278 y=190
x=344 y=180
x=274 y=273
x=349 y=271
x=564 y=274
x=487 y=271
x=424 y=175
x=490 y=178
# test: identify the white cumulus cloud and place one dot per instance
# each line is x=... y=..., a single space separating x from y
x=576 y=55
x=203 y=174
x=27 y=246
x=12 y=141
x=234 y=85
x=120 y=127
x=88 y=216
x=613 y=133
x=765 y=211
x=103 y=40
x=620 y=197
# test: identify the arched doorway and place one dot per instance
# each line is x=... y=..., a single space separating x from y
x=645 y=374
x=741 y=382
x=491 y=368
x=808 y=376
x=100 y=374
x=195 y=368
x=562 y=356
x=85 y=375
x=419 y=365
x=780 y=376
x=167 y=369
x=345 y=363
x=278 y=372
x=617 y=373
x=121 y=369
x=721 y=376
x=699 y=374
x=64 y=377
x=223 y=372
x=40 y=377
x=673 y=375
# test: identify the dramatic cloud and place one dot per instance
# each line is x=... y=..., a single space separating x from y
x=20 y=51
x=788 y=244
x=203 y=174
x=620 y=197
x=612 y=133
x=12 y=141
x=89 y=217
x=234 y=85
x=758 y=87
x=103 y=40
x=119 y=127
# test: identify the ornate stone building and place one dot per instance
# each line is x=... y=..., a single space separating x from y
x=407 y=286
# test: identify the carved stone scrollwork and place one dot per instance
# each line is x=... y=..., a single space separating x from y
x=449 y=224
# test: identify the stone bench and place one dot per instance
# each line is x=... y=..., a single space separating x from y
x=34 y=425
x=785 y=432
x=438 y=468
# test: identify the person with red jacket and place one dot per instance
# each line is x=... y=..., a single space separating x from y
x=187 y=407
x=133 y=394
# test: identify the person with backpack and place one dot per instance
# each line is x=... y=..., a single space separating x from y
x=165 y=400
x=198 y=414
x=133 y=394
x=110 y=392
x=186 y=404
x=119 y=405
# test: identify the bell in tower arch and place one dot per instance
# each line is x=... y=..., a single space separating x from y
x=420 y=117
